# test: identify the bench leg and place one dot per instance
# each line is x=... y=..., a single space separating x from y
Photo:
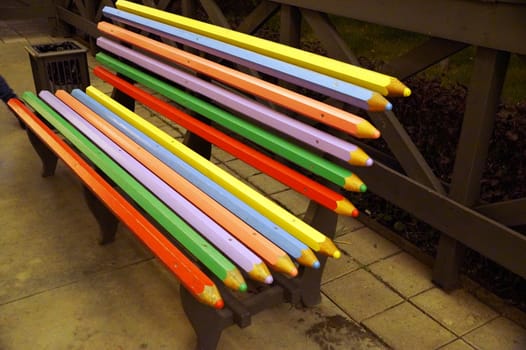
x=198 y=144
x=121 y=97
x=21 y=123
x=108 y=223
x=208 y=323
x=324 y=220
x=48 y=158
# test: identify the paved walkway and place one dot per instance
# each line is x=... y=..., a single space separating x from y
x=60 y=290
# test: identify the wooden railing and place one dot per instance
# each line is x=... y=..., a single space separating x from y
x=493 y=27
x=27 y=9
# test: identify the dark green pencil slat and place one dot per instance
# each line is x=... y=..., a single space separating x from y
x=193 y=241
x=290 y=151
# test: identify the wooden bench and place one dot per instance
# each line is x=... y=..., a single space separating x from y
x=104 y=142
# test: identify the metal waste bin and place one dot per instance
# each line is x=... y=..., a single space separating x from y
x=61 y=65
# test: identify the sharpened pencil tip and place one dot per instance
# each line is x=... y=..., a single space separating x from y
x=354 y=183
x=397 y=89
x=316 y=264
x=359 y=158
x=260 y=273
x=307 y=258
x=285 y=265
x=366 y=130
x=378 y=103
x=210 y=296
x=355 y=213
x=328 y=248
x=219 y=304
x=363 y=188
x=235 y=281
x=344 y=207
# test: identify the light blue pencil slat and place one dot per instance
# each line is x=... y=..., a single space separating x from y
x=324 y=141
x=274 y=233
x=201 y=222
x=338 y=89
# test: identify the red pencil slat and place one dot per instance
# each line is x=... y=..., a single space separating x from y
x=194 y=280
x=309 y=107
x=293 y=179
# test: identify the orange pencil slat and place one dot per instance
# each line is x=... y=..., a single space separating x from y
x=309 y=107
x=200 y=285
x=273 y=255
x=295 y=180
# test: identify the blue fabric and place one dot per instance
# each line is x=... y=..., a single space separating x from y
x=6 y=93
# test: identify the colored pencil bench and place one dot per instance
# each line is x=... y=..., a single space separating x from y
x=216 y=234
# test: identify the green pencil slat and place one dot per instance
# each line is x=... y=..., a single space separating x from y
x=191 y=240
x=290 y=151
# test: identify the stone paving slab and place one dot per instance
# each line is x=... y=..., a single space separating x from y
x=501 y=334
x=133 y=308
x=266 y=184
x=45 y=223
x=292 y=201
x=336 y=268
x=324 y=326
x=361 y=295
x=220 y=155
x=458 y=344
x=35 y=265
x=403 y=273
x=406 y=327
x=366 y=246
x=138 y=307
x=347 y=224
x=458 y=311
x=241 y=168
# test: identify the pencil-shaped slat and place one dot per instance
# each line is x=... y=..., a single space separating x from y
x=208 y=228
x=293 y=179
x=384 y=84
x=296 y=227
x=341 y=90
x=300 y=131
x=272 y=255
x=298 y=250
x=312 y=162
x=190 y=276
x=191 y=240
x=299 y=103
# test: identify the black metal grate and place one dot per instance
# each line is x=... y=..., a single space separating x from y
x=64 y=74
x=59 y=66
